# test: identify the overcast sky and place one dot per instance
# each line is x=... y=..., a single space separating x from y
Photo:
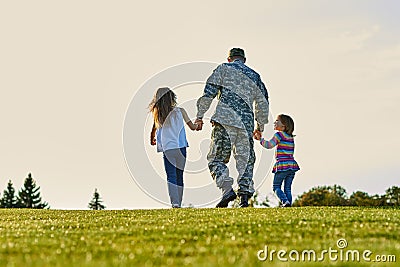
x=70 y=70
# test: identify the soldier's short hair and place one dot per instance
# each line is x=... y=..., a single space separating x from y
x=236 y=52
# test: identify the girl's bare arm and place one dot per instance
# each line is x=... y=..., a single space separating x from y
x=153 y=135
x=192 y=126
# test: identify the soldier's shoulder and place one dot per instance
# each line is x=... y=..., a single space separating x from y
x=224 y=65
x=255 y=73
x=221 y=67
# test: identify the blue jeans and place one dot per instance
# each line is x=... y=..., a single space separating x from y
x=174 y=164
x=285 y=177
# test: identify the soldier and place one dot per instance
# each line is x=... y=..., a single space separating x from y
x=237 y=88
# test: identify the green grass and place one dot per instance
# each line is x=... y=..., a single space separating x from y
x=192 y=237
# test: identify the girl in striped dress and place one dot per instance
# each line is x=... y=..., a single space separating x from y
x=285 y=166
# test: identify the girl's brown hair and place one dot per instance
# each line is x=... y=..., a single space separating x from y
x=288 y=122
x=164 y=101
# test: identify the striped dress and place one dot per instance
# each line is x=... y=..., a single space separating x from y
x=284 y=151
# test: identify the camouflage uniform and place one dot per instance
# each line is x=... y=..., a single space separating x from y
x=237 y=87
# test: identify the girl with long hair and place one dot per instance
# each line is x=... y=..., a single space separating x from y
x=168 y=133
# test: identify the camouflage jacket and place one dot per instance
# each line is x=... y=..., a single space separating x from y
x=238 y=87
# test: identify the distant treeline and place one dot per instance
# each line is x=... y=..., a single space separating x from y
x=28 y=196
x=336 y=196
x=333 y=196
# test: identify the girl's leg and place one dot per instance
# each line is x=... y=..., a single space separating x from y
x=287 y=187
x=170 y=169
x=278 y=179
x=181 y=161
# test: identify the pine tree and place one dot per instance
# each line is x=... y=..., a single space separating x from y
x=29 y=195
x=95 y=204
x=9 y=200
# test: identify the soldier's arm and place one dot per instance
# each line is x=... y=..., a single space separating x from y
x=213 y=85
x=261 y=106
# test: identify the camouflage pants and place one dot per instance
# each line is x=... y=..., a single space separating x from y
x=224 y=140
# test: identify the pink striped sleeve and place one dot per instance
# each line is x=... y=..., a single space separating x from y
x=271 y=143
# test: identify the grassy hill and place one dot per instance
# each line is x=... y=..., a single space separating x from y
x=201 y=237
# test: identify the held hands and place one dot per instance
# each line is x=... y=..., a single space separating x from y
x=257 y=135
x=199 y=123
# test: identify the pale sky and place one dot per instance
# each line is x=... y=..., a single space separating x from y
x=69 y=72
